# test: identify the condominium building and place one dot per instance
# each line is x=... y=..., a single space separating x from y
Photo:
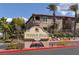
x=64 y=23
x=39 y=28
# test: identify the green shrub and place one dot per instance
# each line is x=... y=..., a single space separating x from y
x=15 y=46
x=7 y=41
x=20 y=46
x=62 y=43
x=12 y=46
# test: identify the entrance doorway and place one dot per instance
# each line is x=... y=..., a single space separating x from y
x=36 y=44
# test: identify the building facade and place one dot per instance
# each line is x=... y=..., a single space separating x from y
x=39 y=27
x=64 y=23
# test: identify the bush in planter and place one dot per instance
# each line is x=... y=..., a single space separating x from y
x=76 y=34
x=20 y=45
x=58 y=34
x=61 y=34
x=12 y=46
x=68 y=34
x=62 y=43
x=15 y=46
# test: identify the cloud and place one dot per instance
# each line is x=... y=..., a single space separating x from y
x=58 y=7
x=64 y=6
x=63 y=9
x=70 y=13
x=61 y=13
x=25 y=19
x=64 y=12
x=1 y=34
x=9 y=19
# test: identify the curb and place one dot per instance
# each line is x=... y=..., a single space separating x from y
x=32 y=49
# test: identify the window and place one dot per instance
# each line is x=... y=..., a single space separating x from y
x=50 y=17
x=45 y=28
x=37 y=18
x=77 y=20
x=67 y=25
x=44 y=18
x=36 y=29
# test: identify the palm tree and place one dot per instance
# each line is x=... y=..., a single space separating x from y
x=75 y=9
x=53 y=8
x=5 y=27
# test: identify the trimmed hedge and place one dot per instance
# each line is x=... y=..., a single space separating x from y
x=62 y=43
x=63 y=34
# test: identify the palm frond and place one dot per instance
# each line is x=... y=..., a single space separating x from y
x=74 y=7
x=52 y=7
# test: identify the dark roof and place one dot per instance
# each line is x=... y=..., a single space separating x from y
x=48 y=16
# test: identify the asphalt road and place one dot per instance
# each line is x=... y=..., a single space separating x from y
x=53 y=51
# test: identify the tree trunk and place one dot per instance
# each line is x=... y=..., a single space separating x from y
x=5 y=35
x=54 y=21
x=75 y=22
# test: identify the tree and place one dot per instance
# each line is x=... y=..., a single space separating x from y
x=53 y=8
x=5 y=27
x=18 y=25
x=75 y=9
x=53 y=26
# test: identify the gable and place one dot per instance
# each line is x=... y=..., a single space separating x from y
x=36 y=33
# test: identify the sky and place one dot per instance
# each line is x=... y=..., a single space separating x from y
x=25 y=10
